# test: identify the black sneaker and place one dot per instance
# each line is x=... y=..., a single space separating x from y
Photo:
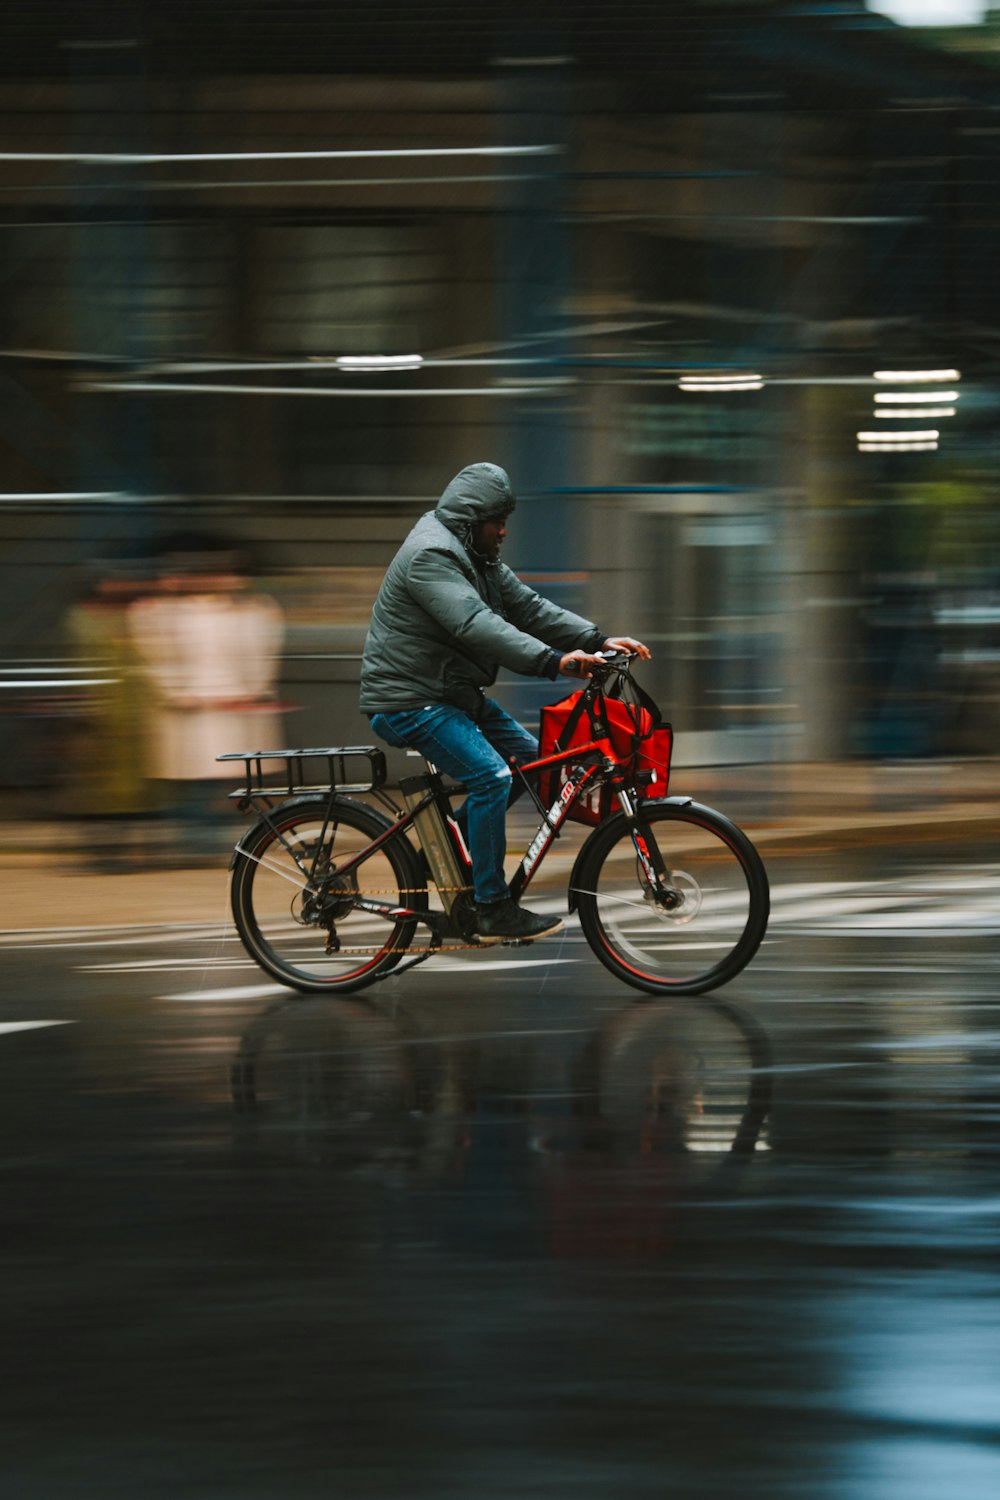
x=505 y=921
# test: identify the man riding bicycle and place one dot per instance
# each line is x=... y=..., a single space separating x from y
x=448 y=616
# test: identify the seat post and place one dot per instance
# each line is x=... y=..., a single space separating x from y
x=432 y=768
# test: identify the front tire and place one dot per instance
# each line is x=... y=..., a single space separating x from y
x=705 y=925
x=298 y=920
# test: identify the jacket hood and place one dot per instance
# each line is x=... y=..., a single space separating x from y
x=481 y=492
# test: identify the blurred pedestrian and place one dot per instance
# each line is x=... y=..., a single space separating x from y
x=210 y=646
x=108 y=772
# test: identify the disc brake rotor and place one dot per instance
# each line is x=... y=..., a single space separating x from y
x=684 y=893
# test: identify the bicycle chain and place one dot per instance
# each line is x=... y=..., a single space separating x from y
x=445 y=948
x=411 y=890
x=418 y=890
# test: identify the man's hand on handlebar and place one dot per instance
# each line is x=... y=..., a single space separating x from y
x=579 y=664
x=582 y=663
x=627 y=644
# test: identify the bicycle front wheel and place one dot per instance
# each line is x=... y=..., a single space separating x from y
x=298 y=916
x=706 y=923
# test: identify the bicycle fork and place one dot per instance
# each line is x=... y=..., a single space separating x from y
x=650 y=859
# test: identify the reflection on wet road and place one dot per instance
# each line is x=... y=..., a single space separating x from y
x=502 y=1228
x=575 y=1140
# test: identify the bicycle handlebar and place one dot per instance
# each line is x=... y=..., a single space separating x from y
x=613 y=661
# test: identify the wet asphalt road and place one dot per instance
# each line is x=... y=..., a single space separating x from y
x=500 y=1231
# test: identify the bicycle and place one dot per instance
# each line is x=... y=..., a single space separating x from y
x=672 y=897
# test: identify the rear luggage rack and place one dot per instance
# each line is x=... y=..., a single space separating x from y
x=297 y=766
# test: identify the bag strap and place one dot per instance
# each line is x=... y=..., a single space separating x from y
x=572 y=720
x=642 y=701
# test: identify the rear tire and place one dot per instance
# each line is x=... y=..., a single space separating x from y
x=297 y=920
x=712 y=920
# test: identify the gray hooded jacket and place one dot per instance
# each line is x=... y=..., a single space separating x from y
x=446 y=619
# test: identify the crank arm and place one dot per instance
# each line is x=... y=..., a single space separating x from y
x=436 y=921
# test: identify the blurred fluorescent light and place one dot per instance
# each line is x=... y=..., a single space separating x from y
x=147 y=159
x=721 y=382
x=45 y=495
x=60 y=682
x=380 y=361
x=932 y=12
x=190 y=388
x=897 y=447
x=924 y=441
x=914 y=398
x=915 y=376
x=916 y=416
x=559 y=61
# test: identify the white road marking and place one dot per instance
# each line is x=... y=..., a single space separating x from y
x=55 y=937
x=31 y=1025
x=888 y=968
x=235 y=992
x=169 y=965
x=958 y=903
x=459 y=965
x=805 y=911
x=917 y=924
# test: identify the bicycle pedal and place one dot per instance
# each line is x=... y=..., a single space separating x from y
x=515 y=942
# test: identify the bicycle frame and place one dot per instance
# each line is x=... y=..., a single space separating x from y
x=572 y=788
x=579 y=780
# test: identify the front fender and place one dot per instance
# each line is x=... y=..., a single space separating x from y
x=619 y=823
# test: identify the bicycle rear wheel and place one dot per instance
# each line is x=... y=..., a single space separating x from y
x=707 y=923
x=298 y=917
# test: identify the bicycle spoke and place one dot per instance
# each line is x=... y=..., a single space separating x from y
x=270 y=864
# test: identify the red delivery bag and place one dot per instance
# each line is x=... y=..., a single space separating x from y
x=630 y=732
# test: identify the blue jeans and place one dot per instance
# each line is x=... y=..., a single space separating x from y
x=476 y=754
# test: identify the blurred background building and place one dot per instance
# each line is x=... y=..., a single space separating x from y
x=715 y=283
